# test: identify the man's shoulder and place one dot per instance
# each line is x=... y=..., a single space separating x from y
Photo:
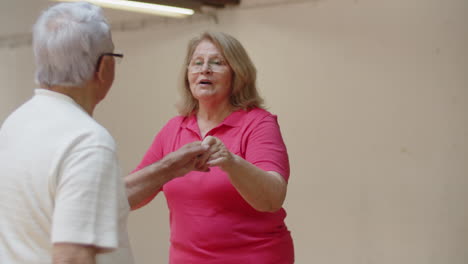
x=80 y=129
x=91 y=133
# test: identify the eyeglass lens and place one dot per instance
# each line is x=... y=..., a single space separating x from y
x=215 y=65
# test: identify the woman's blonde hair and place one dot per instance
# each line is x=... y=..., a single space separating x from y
x=244 y=94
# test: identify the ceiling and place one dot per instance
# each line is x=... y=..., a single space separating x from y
x=18 y=16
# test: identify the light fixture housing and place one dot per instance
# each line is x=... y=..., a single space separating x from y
x=140 y=7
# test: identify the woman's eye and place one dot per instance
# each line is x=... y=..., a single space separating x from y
x=198 y=63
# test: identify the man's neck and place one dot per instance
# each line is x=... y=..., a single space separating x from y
x=81 y=95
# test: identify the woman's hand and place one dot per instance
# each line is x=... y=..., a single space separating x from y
x=265 y=191
x=217 y=154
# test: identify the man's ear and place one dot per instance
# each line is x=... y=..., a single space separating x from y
x=103 y=68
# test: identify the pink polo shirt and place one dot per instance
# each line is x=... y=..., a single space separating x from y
x=210 y=222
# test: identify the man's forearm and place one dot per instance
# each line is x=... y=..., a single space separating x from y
x=68 y=253
x=146 y=183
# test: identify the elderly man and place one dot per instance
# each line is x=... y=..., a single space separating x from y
x=62 y=197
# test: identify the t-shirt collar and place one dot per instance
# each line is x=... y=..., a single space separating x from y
x=57 y=96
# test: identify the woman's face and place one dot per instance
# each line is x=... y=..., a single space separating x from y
x=209 y=75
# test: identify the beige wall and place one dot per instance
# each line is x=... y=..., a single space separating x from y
x=372 y=99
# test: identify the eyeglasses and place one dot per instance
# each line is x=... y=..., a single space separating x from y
x=214 y=65
x=118 y=57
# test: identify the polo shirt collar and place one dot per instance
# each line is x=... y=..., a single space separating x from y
x=233 y=120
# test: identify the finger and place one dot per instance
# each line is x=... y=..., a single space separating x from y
x=200 y=162
x=215 y=162
x=194 y=149
x=209 y=140
x=215 y=155
x=202 y=158
x=194 y=143
x=203 y=168
x=192 y=146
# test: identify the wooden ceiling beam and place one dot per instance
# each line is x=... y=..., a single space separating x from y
x=221 y=2
x=193 y=4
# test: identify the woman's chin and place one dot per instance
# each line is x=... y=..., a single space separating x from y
x=205 y=95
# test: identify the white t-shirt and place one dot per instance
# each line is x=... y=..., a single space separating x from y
x=59 y=182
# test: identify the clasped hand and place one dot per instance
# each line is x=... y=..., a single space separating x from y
x=216 y=155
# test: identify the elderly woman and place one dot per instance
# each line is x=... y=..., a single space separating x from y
x=228 y=206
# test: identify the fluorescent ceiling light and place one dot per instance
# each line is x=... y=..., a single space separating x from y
x=147 y=8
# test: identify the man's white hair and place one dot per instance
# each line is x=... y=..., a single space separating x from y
x=68 y=39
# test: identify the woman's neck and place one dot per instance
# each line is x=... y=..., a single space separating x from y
x=214 y=113
x=209 y=116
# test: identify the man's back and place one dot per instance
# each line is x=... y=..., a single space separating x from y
x=60 y=182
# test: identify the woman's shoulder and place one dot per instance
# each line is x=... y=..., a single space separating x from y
x=255 y=117
x=259 y=114
x=176 y=120
x=174 y=123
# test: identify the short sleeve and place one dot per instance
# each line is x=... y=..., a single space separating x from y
x=154 y=152
x=160 y=145
x=265 y=147
x=87 y=198
x=158 y=149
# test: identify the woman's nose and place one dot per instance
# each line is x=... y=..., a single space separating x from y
x=206 y=68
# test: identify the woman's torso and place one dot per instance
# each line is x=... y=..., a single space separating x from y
x=210 y=221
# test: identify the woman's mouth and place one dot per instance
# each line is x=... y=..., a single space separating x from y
x=205 y=82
